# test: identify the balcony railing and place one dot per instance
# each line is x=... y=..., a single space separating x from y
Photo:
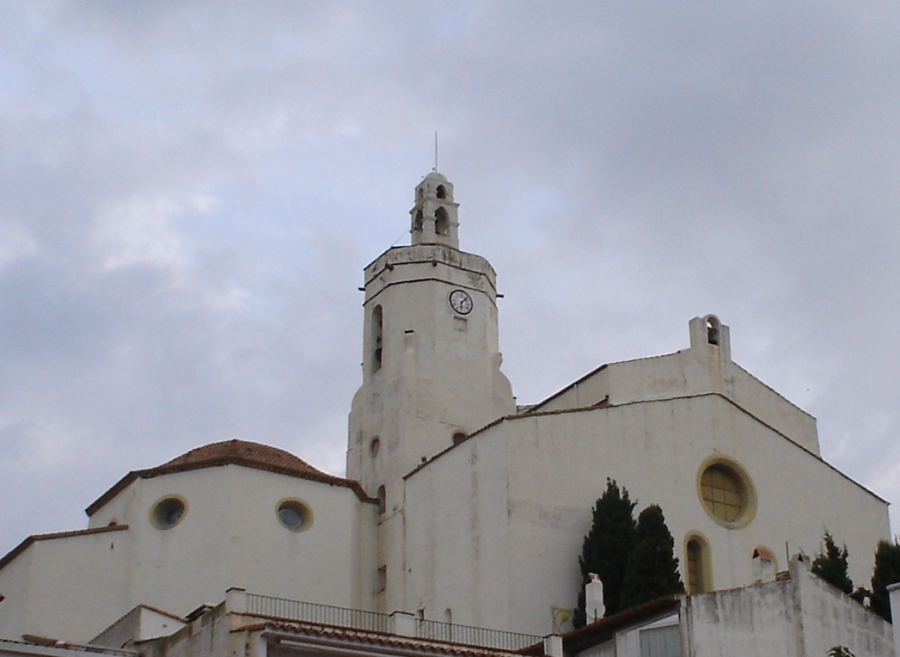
x=262 y=605
x=475 y=636
x=309 y=612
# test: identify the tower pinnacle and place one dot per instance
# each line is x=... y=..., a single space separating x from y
x=434 y=215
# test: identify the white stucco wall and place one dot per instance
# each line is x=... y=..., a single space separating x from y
x=761 y=622
x=229 y=536
x=801 y=616
x=69 y=587
x=831 y=618
x=700 y=369
x=457 y=552
x=14 y=582
x=546 y=472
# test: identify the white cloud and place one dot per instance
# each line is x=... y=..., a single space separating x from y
x=140 y=231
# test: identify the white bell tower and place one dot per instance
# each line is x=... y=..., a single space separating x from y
x=434 y=216
x=431 y=359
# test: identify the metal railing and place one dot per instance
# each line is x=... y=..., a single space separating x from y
x=356 y=619
x=263 y=605
x=475 y=636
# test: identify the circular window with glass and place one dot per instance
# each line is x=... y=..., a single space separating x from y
x=168 y=512
x=295 y=515
x=726 y=493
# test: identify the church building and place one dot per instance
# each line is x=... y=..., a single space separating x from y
x=459 y=506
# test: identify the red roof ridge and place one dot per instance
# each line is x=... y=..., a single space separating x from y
x=24 y=545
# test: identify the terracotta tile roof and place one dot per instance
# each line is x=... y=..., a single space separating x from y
x=396 y=641
x=163 y=612
x=47 y=642
x=24 y=545
x=242 y=450
x=233 y=452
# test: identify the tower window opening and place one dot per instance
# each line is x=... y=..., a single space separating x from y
x=377 y=337
x=712 y=330
x=696 y=566
x=441 y=191
x=441 y=222
x=417 y=223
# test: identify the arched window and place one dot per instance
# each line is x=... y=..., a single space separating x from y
x=441 y=191
x=441 y=222
x=377 y=337
x=417 y=224
x=696 y=562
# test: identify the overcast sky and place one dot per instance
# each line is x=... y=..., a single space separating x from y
x=189 y=192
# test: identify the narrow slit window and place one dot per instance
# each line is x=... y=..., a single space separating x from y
x=377 y=338
x=382 y=500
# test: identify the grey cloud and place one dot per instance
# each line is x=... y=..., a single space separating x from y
x=192 y=189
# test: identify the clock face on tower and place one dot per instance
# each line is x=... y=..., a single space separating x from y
x=461 y=302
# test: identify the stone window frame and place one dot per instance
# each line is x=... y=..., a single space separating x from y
x=747 y=491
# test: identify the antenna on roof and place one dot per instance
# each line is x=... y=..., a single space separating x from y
x=435 y=151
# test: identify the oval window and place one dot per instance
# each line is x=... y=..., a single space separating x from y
x=168 y=512
x=295 y=515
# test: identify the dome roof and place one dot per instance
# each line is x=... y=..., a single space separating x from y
x=232 y=452
x=243 y=451
x=434 y=175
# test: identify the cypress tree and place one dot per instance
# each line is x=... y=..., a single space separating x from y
x=831 y=564
x=887 y=572
x=606 y=548
x=652 y=569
